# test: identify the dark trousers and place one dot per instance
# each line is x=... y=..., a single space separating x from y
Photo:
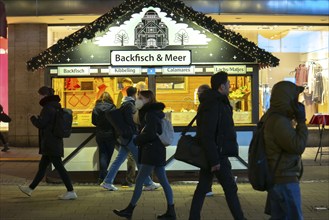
x=106 y=148
x=226 y=179
x=58 y=164
x=131 y=169
x=2 y=138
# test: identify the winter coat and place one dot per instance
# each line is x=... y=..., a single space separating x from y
x=281 y=136
x=103 y=127
x=50 y=145
x=215 y=126
x=129 y=109
x=151 y=150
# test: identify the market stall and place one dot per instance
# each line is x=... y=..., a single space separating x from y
x=171 y=51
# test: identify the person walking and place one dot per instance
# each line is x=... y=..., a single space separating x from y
x=105 y=137
x=131 y=164
x=152 y=154
x=200 y=90
x=212 y=103
x=127 y=146
x=4 y=118
x=50 y=147
x=284 y=145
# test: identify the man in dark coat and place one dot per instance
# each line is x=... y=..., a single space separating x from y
x=211 y=131
x=51 y=146
x=284 y=146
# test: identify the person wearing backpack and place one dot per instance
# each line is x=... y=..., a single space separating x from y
x=152 y=154
x=215 y=125
x=284 y=145
x=126 y=145
x=105 y=137
x=50 y=147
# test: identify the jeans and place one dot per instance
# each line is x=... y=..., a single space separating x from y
x=58 y=164
x=121 y=157
x=285 y=202
x=106 y=148
x=227 y=181
x=143 y=173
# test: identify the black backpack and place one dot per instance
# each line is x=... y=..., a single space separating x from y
x=117 y=119
x=63 y=123
x=259 y=174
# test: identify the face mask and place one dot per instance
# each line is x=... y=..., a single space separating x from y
x=139 y=104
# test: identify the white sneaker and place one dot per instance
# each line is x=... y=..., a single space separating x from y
x=108 y=186
x=69 y=195
x=208 y=194
x=26 y=190
x=152 y=187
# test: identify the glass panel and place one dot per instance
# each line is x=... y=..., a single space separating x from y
x=171 y=83
x=182 y=104
x=301 y=50
x=80 y=94
x=240 y=99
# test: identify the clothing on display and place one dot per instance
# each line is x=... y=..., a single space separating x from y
x=301 y=75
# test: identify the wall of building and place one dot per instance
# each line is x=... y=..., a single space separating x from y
x=25 y=41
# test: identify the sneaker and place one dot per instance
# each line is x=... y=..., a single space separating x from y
x=152 y=187
x=108 y=186
x=208 y=194
x=69 y=195
x=6 y=148
x=26 y=190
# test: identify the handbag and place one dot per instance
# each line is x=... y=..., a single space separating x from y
x=189 y=151
x=4 y=117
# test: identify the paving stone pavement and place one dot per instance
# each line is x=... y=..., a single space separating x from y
x=96 y=203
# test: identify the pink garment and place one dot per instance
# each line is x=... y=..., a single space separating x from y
x=301 y=75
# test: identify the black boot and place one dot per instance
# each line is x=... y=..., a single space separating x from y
x=127 y=212
x=170 y=213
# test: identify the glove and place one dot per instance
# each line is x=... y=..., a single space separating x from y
x=299 y=111
x=32 y=118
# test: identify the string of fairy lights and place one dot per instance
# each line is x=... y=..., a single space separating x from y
x=54 y=53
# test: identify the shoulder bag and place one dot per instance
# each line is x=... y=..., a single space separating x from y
x=189 y=151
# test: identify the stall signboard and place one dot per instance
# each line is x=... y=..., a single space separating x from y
x=125 y=70
x=150 y=36
x=176 y=70
x=231 y=69
x=74 y=71
x=150 y=58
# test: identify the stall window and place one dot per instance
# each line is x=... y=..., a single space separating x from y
x=179 y=94
x=80 y=94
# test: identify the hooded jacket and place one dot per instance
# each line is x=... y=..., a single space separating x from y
x=128 y=105
x=50 y=145
x=281 y=136
x=103 y=127
x=151 y=149
x=215 y=126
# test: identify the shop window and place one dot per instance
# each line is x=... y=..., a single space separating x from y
x=299 y=48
